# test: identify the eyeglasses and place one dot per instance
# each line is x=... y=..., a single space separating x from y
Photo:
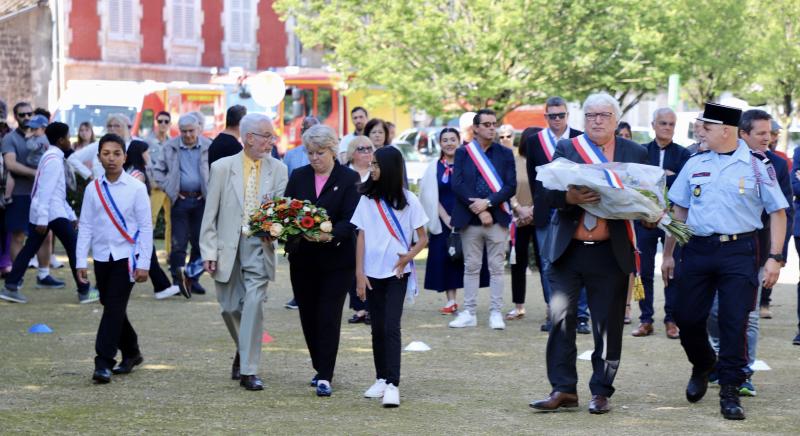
x=374 y=165
x=600 y=116
x=113 y=126
x=24 y=114
x=506 y=137
x=557 y=116
x=268 y=136
x=364 y=150
x=162 y=121
x=489 y=124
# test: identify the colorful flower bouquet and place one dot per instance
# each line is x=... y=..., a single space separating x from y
x=283 y=218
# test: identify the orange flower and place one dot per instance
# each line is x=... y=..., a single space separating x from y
x=296 y=204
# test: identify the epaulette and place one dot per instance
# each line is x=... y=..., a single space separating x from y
x=698 y=153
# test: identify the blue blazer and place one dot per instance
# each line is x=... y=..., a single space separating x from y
x=465 y=178
x=675 y=156
x=796 y=188
x=783 y=176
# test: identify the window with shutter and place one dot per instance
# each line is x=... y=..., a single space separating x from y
x=184 y=13
x=121 y=19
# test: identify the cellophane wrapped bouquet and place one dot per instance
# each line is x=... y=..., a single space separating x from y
x=283 y=218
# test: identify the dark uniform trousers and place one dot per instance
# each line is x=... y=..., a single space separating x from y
x=647 y=242
x=706 y=266
x=115 y=331
x=594 y=267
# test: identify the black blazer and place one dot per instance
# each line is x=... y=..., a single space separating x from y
x=566 y=219
x=535 y=157
x=339 y=197
x=675 y=157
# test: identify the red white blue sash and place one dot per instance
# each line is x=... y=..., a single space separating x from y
x=548 y=143
x=49 y=158
x=396 y=230
x=591 y=154
x=118 y=220
x=487 y=170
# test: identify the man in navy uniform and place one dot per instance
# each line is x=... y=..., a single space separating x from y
x=663 y=153
x=721 y=193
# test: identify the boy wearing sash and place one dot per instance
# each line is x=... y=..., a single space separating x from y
x=484 y=179
x=116 y=224
x=587 y=251
x=49 y=211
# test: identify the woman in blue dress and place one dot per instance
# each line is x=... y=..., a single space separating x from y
x=437 y=198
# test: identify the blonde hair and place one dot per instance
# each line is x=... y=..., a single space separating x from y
x=358 y=141
x=321 y=137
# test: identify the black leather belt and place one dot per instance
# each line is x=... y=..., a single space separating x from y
x=190 y=194
x=579 y=242
x=728 y=238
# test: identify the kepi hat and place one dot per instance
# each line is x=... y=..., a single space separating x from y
x=716 y=113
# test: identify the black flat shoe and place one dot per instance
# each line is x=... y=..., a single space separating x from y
x=355 y=319
x=729 y=404
x=251 y=383
x=127 y=365
x=235 y=375
x=101 y=376
x=698 y=385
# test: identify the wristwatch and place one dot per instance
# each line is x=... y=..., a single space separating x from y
x=488 y=203
x=778 y=257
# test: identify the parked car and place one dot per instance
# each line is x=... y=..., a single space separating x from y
x=420 y=146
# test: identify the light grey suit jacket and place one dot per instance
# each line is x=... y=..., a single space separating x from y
x=222 y=218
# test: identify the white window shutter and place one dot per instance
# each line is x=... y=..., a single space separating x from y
x=247 y=32
x=114 y=13
x=126 y=18
x=237 y=18
x=188 y=16
x=177 y=19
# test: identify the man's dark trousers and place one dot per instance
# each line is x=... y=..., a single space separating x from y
x=187 y=215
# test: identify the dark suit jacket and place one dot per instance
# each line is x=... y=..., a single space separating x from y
x=536 y=157
x=785 y=181
x=567 y=217
x=339 y=197
x=465 y=179
x=675 y=157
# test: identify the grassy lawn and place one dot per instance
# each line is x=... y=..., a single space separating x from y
x=473 y=381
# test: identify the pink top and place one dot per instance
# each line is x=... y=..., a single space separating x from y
x=319 y=182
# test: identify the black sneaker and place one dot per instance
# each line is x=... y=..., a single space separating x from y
x=729 y=404
x=291 y=304
x=583 y=327
x=796 y=340
x=196 y=288
x=546 y=326
x=49 y=282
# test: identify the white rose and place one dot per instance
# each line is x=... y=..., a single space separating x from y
x=286 y=220
x=326 y=227
x=269 y=211
x=306 y=209
x=275 y=230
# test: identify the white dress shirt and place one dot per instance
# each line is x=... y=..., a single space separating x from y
x=49 y=194
x=96 y=230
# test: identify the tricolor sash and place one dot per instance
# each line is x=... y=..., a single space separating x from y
x=591 y=154
x=118 y=221
x=396 y=230
x=548 y=143
x=487 y=170
x=49 y=158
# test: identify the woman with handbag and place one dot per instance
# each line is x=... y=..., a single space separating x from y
x=444 y=269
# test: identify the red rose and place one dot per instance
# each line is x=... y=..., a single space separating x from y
x=307 y=222
x=296 y=204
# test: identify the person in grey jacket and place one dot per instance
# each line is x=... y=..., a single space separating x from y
x=182 y=173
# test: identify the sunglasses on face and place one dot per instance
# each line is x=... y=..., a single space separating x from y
x=24 y=114
x=163 y=121
x=488 y=124
x=557 y=116
x=364 y=150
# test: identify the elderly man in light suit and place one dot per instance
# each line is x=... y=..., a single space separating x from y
x=240 y=264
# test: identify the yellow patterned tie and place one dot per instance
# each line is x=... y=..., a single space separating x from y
x=251 y=193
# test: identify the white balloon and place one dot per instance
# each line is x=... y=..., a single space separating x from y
x=267 y=88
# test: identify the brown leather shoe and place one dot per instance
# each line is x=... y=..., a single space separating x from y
x=644 y=329
x=672 y=330
x=599 y=405
x=555 y=401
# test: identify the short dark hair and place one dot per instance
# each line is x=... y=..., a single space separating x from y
x=622 y=125
x=389 y=186
x=19 y=105
x=359 y=108
x=234 y=115
x=111 y=137
x=375 y=122
x=42 y=111
x=554 y=101
x=55 y=131
x=746 y=122
x=485 y=111
x=165 y=113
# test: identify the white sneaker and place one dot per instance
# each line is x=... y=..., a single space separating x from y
x=377 y=389
x=55 y=263
x=166 y=293
x=496 y=320
x=391 y=396
x=464 y=319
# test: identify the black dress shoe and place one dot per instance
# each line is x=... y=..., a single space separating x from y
x=126 y=366
x=355 y=319
x=583 y=327
x=197 y=289
x=598 y=405
x=235 y=375
x=102 y=376
x=729 y=403
x=698 y=384
x=251 y=383
x=546 y=326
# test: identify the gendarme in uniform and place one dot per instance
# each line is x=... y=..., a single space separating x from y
x=725 y=194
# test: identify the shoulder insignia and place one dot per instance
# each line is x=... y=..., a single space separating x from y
x=698 y=153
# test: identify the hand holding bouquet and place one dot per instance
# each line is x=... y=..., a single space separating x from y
x=628 y=191
x=282 y=218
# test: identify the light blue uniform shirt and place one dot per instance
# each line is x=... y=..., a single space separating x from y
x=296 y=158
x=722 y=192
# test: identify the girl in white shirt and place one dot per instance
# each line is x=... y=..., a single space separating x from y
x=387 y=216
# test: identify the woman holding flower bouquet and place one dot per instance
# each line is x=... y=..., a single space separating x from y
x=330 y=254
